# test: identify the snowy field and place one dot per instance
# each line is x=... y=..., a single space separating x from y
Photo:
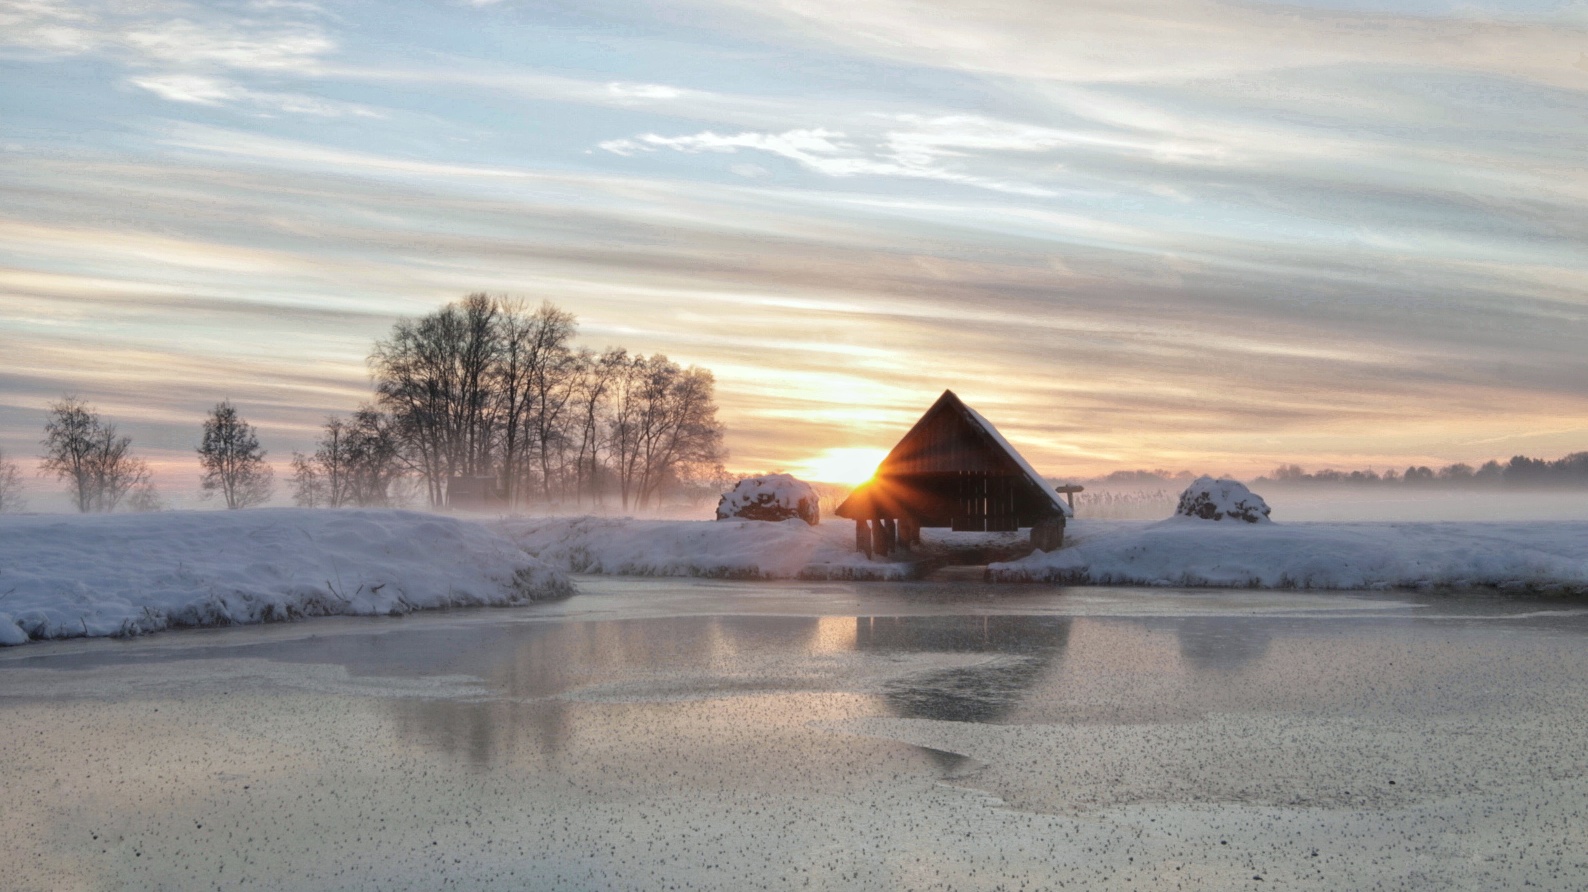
x=1540 y=556
x=67 y=576
x=1546 y=557
x=666 y=733
x=730 y=549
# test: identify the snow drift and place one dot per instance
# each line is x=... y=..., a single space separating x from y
x=66 y=577
x=735 y=549
x=1547 y=557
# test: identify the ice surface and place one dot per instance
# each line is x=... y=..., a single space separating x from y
x=68 y=576
x=859 y=736
x=1539 y=556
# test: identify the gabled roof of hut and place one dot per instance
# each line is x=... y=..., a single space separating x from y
x=953 y=438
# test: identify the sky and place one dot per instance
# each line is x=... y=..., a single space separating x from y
x=1133 y=233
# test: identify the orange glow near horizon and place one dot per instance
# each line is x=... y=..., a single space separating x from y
x=850 y=465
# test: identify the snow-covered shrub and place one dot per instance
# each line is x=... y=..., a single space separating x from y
x=770 y=497
x=1211 y=499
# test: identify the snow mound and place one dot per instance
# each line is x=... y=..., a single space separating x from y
x=770 y=497
x=72 y=577
x=1222 y=499
x=734 y=549
x=1539 y=557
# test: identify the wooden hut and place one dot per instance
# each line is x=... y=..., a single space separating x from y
x=953 y=469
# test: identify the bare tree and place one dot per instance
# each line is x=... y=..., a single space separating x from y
x=357 y=462
x=626 y=423
x=11 y=499
x=663 y=417
x=234 y=464
x=117 y=471
x=373 y=458
x=86 y=452
x=553 y=388
x=532 y=366
x=308 y=483
x=594 y=377
x=488 y=387
x=323 y=477
x=145 y=498
x=69 y=436
x=689 y=435
x=433 y=374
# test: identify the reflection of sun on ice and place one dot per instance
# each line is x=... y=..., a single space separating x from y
x=834 y=635
x=848 y=465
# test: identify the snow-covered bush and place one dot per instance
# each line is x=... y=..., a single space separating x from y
x=770 y=497
x=1211 y=499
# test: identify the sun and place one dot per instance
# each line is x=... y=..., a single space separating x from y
x=849 y=465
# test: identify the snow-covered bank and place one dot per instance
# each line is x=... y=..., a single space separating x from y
x=1550 y=557
x=735 y=549
x=66 y=577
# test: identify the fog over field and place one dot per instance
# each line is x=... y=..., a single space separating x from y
x=1351 y=503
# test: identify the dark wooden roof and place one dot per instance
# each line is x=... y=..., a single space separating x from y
x=952 y=468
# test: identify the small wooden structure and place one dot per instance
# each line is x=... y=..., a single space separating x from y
x=953 y=469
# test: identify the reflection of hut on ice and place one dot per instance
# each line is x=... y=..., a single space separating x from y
x=1027 y=647
x=953 y=469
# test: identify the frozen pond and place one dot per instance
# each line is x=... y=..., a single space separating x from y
x=687 y=734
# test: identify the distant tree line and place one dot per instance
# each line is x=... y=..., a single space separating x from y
x=1520 y=472
x=88 y=453
x=486 y=389
x=489 y=389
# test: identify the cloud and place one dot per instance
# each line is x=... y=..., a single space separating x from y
x=1081 y=337
x=48 y=26
x=200 y=89
x=643 y=91
x=1151 y=232
x=920 y=148
x=165 y=35
x=1099 y=41
x=186 y=53
x=292 y=47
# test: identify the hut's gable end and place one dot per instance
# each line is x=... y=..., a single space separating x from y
x=953 y=468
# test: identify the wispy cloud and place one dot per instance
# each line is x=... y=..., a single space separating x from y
x=294 y=46
x=46 y=26
x=186 y=53
x=200 y=89
x=922 y=148
x=1093 y=41
x=1119 y=334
